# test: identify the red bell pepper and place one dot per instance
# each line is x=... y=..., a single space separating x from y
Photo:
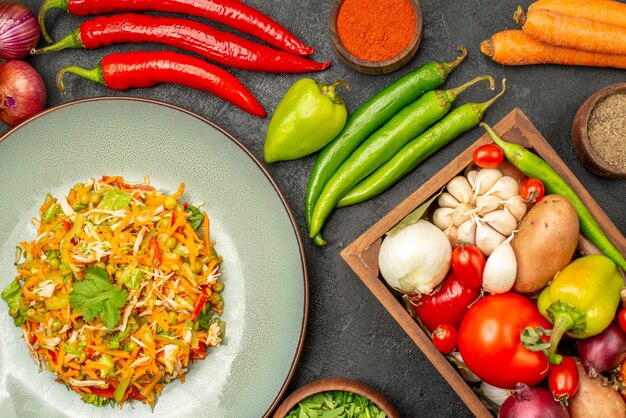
x=447 y=305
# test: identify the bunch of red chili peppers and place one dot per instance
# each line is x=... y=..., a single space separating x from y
x=145 y=69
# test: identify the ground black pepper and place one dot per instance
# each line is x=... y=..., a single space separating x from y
x=607 y=130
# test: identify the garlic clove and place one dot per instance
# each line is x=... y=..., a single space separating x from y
x=500 y=269
x=502 y=221
x=487 y=238
x=451 y=233
x=442 y=217
x=486 y=179
x=466 y=232
x=460 y=188
x=486 y=204
x=471 y=176
x=517 y=207
x=462 y=213
x=446 y=200
x=505 y=188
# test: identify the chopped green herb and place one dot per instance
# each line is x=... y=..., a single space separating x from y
x=195 y=220
x=336 y=404
x=95 y=296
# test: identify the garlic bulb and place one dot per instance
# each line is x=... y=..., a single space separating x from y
x=482 y=208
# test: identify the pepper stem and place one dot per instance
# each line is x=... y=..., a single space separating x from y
x=70 y=41
x=481 y=108
x=565 y=317
x=94 y=74
x=449 y=66
x=330 y=90
x=45 y=6
x=458 y=90
x=513 y=152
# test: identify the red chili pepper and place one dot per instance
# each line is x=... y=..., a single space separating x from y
x=127 y=186
x=135 y=394
x=89 y=353
x=32 y=340
x=189 y=35
x=158 y=258
x=232 y=13
x=53 y=356
x=200 y=304
x=67 y=225
x=108 y=393
x=198 y=353
x=145 y=69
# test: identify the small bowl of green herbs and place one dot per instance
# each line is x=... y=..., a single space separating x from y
x=336 y=398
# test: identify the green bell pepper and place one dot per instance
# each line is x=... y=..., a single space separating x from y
x=581 y=300
x=307 y=118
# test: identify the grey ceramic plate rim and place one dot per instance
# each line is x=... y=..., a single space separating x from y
x=292 y=219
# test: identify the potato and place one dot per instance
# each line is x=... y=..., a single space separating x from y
x=545 y=242
x=594 y=400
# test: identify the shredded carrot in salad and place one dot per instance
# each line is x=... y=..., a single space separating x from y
x=118 y=291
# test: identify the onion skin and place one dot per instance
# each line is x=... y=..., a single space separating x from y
x=527 y=402
x=19 y=30
x=604 y=351
x=22 y=92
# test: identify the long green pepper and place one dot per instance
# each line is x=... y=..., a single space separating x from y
x=370 y=116
x=384 y=144
x=460 y=120
x=534 y=166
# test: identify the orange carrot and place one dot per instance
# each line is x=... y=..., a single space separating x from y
x=611 y=12
x=572 y=32
x=514 y=47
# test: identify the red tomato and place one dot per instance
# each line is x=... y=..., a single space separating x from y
x=490 y=343
x=563 y=380
x=532 y=190
x=488 y=156
x=468 y=263
x=447 y=305
x=445 y=338
x=621 y=317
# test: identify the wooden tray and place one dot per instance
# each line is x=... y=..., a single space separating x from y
x=362 y=254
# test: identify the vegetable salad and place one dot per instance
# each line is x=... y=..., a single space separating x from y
x=118 y=291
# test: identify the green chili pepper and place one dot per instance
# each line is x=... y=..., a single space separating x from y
x=383 y=145
x=581 y=300
x=120 y=391
x=533 y=166
x=460 y=120
x=307 y=118
x=370 y=116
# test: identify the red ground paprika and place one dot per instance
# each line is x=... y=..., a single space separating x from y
x=375 y=30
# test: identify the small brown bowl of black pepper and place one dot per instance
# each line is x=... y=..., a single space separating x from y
x=599 y=132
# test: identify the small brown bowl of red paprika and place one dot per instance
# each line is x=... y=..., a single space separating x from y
x=375 y=36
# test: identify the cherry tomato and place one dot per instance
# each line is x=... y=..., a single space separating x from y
x=621 y=317
x=490 y=341
x=445 y=338
x=563 y=379
x=532 y=190
x=468 y=263
x=488 y=156
x=448 y=305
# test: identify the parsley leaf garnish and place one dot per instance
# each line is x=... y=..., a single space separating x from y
x=95 y=296
x=195 y=220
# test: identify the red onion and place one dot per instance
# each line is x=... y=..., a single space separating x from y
x=19 y=30
x=22 y=92
x=527 y=402
x=604 y=351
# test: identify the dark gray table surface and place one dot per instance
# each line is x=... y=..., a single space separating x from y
x=349 y=332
